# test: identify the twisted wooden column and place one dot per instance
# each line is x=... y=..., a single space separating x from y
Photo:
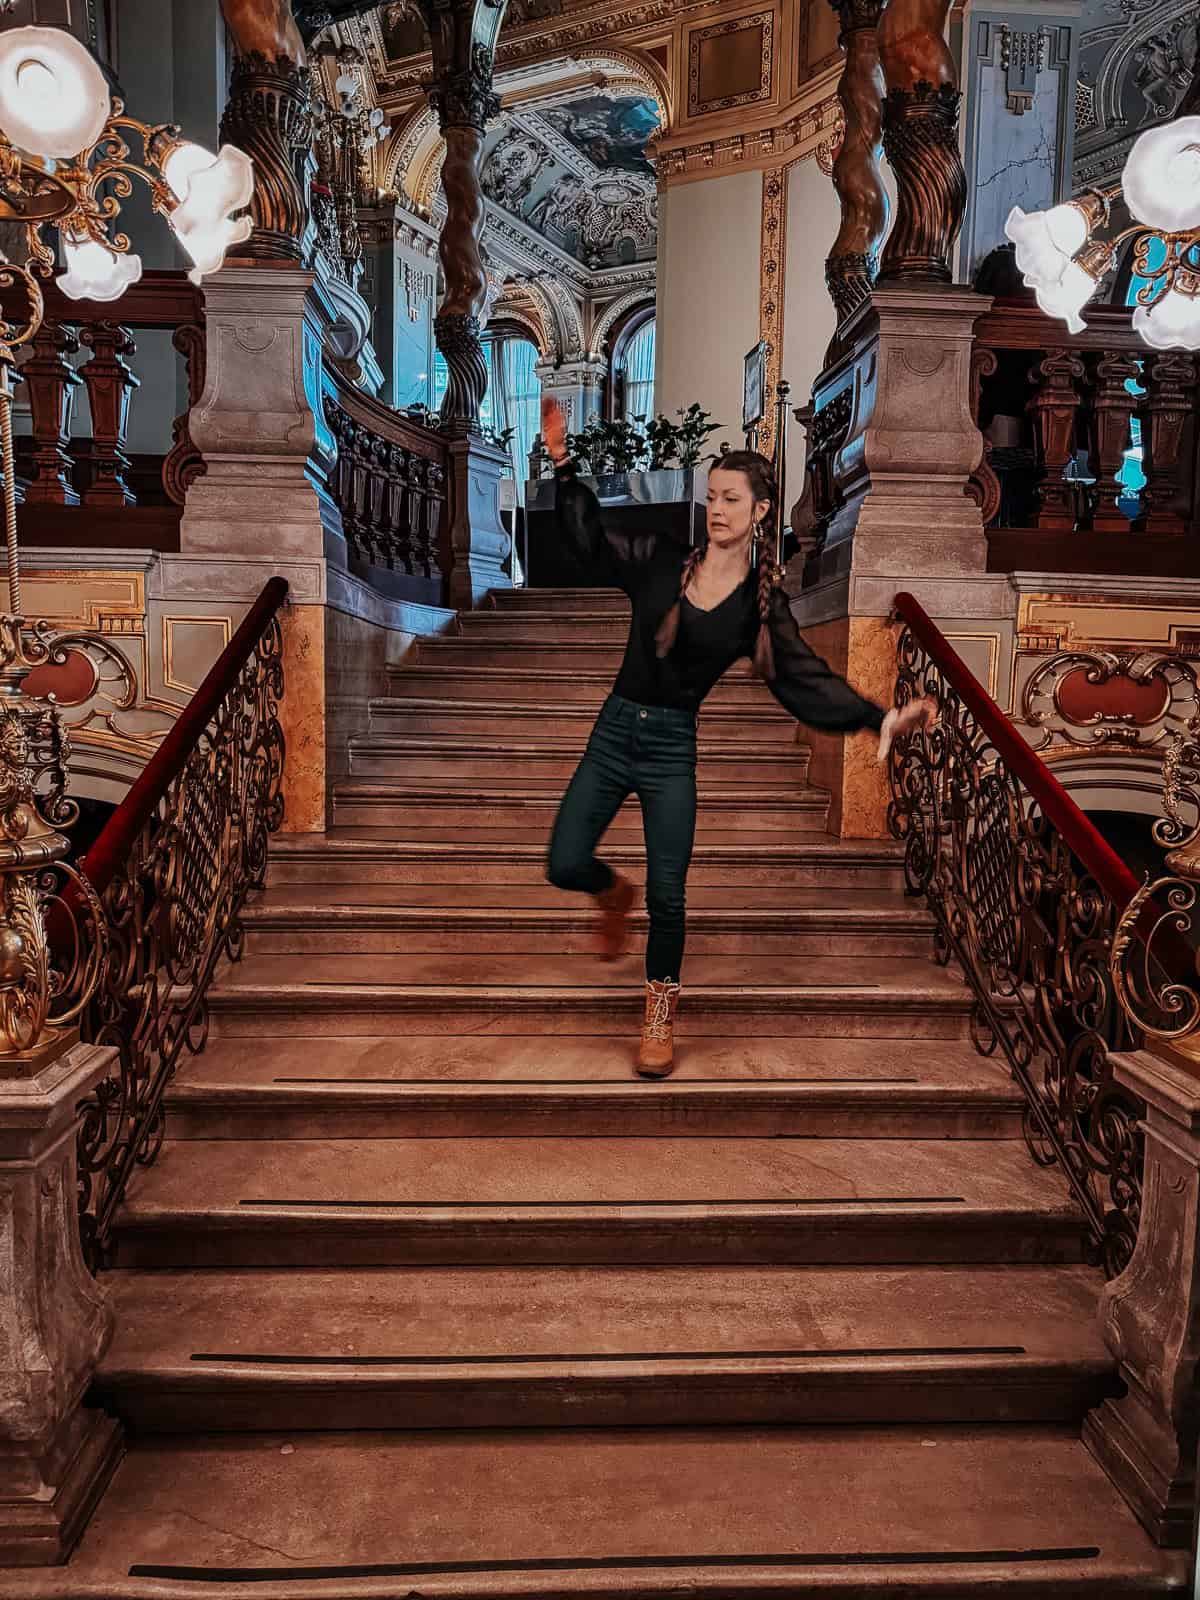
x=853 y=263
x=463 y=38
x=920 y=137
x=268 y=117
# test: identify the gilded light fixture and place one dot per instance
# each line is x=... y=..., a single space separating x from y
x=66 y=164
x=1064 y=253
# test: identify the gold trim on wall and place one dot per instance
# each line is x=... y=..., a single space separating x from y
x=799 y=136
x=122 y=597
x=169 y=624
x=772 y=276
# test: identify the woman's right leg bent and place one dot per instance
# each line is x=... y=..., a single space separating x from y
x=601 y=784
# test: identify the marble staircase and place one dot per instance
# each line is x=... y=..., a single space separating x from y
x=426 y=1294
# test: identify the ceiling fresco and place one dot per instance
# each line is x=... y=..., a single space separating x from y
x=1136 y=60
x=577 y=173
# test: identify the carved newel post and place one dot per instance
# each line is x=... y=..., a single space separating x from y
x=920 y=136
x=267 y=116
x=462 y=36
x=463 y=40
x=853 y=263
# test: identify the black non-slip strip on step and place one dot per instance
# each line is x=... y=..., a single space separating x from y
x=598 y=1205
x=557 y=1083
x=526 y=1359
x=794 y=1559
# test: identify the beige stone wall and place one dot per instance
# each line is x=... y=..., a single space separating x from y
x=708 y=293
x=813 y=218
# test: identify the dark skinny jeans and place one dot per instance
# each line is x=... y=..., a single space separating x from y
x=649 y=751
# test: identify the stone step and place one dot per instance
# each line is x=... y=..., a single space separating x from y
x=562 y=994
x=408 y=1084
x=585 y=627
x=763 y=727
x=559 y=655
x=603 y=1201
x=497 y=1347
x=576 y=686
x=571 y=601
x=731 y=810
x=287 y=923
x=924 y=1512
x=358 y=856
x=490 y=760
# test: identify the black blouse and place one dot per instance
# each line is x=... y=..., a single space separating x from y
x=648 y=569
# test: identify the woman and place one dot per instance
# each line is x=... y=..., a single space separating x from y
x=694 y=614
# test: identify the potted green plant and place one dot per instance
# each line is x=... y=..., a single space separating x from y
x=640 y=460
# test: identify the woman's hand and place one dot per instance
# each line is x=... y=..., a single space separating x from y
x=916 y=715
x=554 y=430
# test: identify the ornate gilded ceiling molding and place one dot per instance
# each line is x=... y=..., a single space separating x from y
x=701 y=103
x=811 y=132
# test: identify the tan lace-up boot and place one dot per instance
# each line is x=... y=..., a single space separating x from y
x=614 y=904
x=656 y=1054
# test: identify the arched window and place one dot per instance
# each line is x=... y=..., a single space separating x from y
x=514 y=393
x=634 y=368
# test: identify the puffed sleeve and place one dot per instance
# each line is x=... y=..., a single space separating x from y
x=807 y=687
x=607 y=557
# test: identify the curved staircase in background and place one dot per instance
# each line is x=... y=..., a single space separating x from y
x=426 y=1292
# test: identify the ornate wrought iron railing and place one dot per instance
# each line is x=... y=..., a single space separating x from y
x=1027 y=896
x=172 y=869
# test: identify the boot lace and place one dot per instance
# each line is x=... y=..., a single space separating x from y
x=658 y=1015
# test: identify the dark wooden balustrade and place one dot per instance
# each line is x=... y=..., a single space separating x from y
x=390 y=485
x=1058 y=413
x=91 y=490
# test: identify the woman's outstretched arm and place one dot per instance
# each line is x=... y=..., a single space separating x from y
x=817 y=696
x=606 y=556
x=807 y=686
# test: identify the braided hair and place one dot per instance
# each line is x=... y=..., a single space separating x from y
x=760 y=475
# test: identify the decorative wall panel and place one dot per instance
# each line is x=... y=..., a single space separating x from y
x=1020 y=109
x=730 y=63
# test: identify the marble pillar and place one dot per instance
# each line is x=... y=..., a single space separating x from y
x=259 y=423
x=909 y=445
x=56 y=1455
x=1146 y=1441
x=479 y=544
x=1019 y=67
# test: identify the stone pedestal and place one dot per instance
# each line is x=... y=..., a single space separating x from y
x=479 y=546
x=56 y=1456
x=1146 y=1441
x=260 y=425
x=904 y=522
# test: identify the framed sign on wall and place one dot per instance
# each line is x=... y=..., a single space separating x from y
x=754 y=388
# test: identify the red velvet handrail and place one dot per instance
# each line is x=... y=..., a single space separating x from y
x=110 y=851
x=1081 y=835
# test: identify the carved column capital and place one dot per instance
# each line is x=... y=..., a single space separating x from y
x=853 y=263
x=268 y=116
x=466 y=99
x=462 y=36
x=920 y=137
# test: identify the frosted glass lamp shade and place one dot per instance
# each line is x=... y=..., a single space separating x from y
x=1171 y=323
x=1046 y=241
x=1067 y=297
x=54 y=100
x=94 y=272
x=209 y=188
x=1161 y=180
